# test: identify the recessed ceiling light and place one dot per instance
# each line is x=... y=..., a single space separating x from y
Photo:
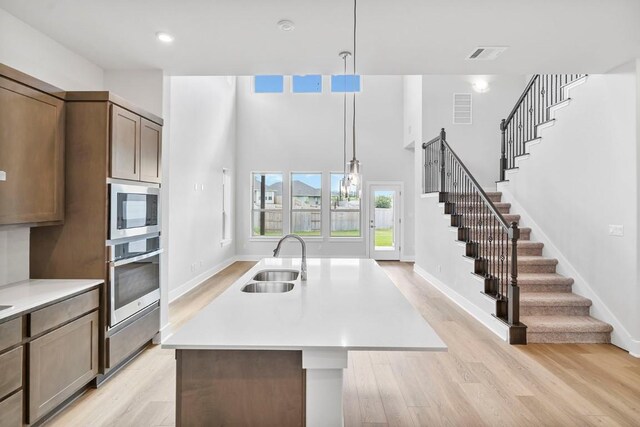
x=164 y=37
x=286 y=25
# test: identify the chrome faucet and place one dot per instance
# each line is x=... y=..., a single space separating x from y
x=303 y=266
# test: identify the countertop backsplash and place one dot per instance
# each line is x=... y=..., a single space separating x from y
x=14 y=255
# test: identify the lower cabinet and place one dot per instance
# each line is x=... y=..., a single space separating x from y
x=60 y=363
x=11 y=411
x=123 y=343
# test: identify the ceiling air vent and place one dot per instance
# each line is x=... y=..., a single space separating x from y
x=486 y=53
x=462 y=112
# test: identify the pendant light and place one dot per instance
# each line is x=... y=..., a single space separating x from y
x=354 y=165
x=344 y=182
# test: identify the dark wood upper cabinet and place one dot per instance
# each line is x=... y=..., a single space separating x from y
x=150 y=151
x=31 y=153
x=125 y=144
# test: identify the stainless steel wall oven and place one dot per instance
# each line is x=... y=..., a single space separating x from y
x=134 y=276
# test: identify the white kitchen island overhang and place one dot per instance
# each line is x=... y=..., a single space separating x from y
x=345 y=305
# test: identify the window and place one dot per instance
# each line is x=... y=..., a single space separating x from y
x=307 y=84
x=266 y=207
x=268 y=84
x=345 y=83
x=344 y=211
x=226 y=206
x=306 y=204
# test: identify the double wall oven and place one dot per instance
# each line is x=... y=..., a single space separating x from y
x=134 y=249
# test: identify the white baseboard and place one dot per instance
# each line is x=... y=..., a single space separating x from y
x=259 y=257
x=250 y=257
x=199 y=279
x=163 y=333
x=620 y=335
x=493 y=324
x=408 y=258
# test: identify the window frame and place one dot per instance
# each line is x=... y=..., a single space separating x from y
x=322 y=204
x=260 y=238
x=359 y=238
x=227 y=211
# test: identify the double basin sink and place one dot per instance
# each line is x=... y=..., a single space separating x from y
x=271 y=281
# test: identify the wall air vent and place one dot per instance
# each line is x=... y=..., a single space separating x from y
x=462 y=111
x=486 y=53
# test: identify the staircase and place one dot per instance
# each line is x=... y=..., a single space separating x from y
x=535 y=302
x=552 y=313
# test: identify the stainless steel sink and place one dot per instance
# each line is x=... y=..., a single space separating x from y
x=276 y=276
x=5 y=307
x=267 y=287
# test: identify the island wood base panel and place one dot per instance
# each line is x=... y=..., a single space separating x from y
x=240 y=388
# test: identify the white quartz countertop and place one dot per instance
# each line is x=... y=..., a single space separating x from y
x=345 y=304
x=28 y=295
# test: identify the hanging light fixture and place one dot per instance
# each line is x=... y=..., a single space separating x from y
x=354 y=165
x=344 y=182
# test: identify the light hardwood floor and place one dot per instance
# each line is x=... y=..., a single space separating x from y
x=480 y=381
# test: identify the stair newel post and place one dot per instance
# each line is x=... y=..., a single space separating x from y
x=503 y=157
x=513 y=310
x=443 y=136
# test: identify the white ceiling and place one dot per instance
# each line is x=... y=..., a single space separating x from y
x=240 y=37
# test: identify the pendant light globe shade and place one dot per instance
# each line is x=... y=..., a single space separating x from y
x=354 y=172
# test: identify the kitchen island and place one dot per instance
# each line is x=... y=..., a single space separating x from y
x=278 y=358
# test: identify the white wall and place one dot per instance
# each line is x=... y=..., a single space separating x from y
x=202 y=143
x=29 y=51
x=412 y=129
x=303 y=132
x=478 y=144
x=582 y=177
x=439 y=259
x=143 y=88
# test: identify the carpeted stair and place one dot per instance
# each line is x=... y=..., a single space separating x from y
x=552 y=313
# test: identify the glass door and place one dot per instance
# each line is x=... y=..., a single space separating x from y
x=384 y=221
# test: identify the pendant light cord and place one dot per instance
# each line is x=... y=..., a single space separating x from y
x=344 y=130
x=355 y=8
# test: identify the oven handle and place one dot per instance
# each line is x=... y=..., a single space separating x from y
x=135 y=259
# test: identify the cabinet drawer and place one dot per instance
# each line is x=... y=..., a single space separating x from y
x=10 y=371
x=61 y=363
x=57 y=314
x=132 y=337
x=11 y=410
x=10 y=333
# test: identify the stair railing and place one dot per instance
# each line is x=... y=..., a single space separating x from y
x=532 y=109
x=489 y=239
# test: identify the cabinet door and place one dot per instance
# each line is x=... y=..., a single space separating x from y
x=31 y=155
x=61 y=363
x=150 y=151
x=11 y=411
x=125 y=144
